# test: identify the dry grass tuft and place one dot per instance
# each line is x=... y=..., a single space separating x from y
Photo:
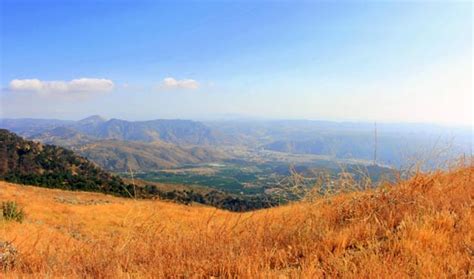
x=423 y=227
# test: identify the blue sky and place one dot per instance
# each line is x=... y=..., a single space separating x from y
x=359 y=61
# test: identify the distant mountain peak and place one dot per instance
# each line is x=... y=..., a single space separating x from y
x=92 y=119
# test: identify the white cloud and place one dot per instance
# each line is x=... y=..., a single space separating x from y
x=81 y=85
x=172 y=83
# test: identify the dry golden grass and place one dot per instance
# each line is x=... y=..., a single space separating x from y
x=418 y=228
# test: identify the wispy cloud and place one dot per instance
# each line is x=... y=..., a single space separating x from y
x=172 y=83
x=78 y=86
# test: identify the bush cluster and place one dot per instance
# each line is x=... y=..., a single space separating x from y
x=11 y=211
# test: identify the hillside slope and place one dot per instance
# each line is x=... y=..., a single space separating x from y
x=423 y=227
x=121 y=156
x=29 y=162
x=115 y=155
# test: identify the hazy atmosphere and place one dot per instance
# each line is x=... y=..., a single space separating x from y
x=351 y=61
x=236 y=139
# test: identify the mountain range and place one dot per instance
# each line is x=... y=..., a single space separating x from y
x=120 y=145
x=184 y=132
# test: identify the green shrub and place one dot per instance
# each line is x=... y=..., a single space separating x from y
x=12 y=212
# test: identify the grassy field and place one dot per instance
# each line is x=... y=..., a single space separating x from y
x=423 y=227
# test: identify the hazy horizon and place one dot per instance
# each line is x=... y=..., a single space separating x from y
x=256 y=120
x=389 y=62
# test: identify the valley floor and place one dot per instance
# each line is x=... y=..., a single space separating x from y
x=423 y=227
